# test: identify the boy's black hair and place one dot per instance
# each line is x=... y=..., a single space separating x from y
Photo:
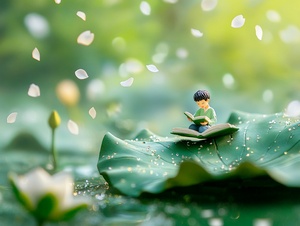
x=201 y=95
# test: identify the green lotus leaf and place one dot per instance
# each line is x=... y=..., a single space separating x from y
x=264 y=145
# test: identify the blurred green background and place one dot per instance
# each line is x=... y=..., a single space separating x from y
x=241 y=71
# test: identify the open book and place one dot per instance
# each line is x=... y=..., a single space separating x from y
x=211 y=132
x=198 y=119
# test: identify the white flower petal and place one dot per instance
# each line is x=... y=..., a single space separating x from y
x=36 y=54
x=73 y=127
x=85 y=38
x=238 y=21
x=145 y=8
x=196 y=33
x=12 y=117
x=293 y=109
x=127 y=83
x=92 y=112
x=57 y=1
x=34 y=91
x=259 y=32
x=81 y=74
x=152 y=68
x=208 y=5
x=81 y=15
x=37 y=25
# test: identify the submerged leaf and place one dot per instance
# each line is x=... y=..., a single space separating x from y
x=264 y=145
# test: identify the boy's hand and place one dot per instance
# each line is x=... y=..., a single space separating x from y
x=204 y=123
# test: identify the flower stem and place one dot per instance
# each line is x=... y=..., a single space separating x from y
x=53 y=151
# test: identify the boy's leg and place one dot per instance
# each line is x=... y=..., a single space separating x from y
x=203 y=128
x=194 y=127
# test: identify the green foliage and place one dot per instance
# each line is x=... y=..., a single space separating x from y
x=264 y=145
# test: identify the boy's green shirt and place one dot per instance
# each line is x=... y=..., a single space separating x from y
x=210 y=113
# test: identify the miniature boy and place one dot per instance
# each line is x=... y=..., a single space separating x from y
x=202 y=98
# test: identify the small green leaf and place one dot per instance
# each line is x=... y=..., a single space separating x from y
x=21 y=197
x=46 y=205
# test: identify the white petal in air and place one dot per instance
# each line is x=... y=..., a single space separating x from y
x=85 y=38
x=34 y=91
x=92 y=113
x=208 y=5
x=196 y=33
x=73 y=127
x=12 y=117
x=152 y=68
x=238 y=21
x=57 y=1
x=259 y=32
x=36 y=54
x=127 y=83
x=81 y=74
x=81 y=15
x=145 y=8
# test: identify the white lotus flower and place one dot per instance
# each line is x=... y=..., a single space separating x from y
x=48 y=198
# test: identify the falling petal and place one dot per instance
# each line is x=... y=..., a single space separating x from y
x=12 y=117
x=145 y=8
x=81 y=15
x=85 y=38
x=127 y=83
x=34 y=91
x=259 y=32
x=152 y=68
x=36 y=54
x=73 y=127
x=273 y=16
x=37 y=25
x=81 y=74
x=92 y=112
x=293 y=108
x=196 y=33
x=57 y=1
x=238 y=21
x=208 y=5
